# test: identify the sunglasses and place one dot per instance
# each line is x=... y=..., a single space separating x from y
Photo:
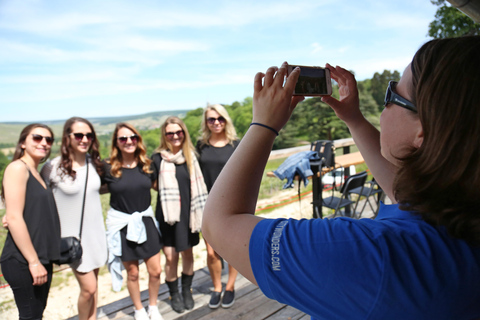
x=170 y=135
x=124 y=139
x=79 y=136
x=392 y=97
x=212 y=120
x=38 y=138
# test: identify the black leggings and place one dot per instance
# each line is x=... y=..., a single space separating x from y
x=31 y=300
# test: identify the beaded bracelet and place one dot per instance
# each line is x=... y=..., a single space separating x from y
x=265 y=126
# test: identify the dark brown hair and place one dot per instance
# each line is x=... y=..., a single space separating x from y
x=65 y=150
x=116 y=155
x=19 y=151
x=441 y=179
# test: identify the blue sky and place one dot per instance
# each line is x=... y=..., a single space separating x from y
x=105 y=58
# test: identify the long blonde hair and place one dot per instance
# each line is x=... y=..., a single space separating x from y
x=187 y=146
x=116 y=155
x=230 y=132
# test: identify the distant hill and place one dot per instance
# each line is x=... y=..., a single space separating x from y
x=9 y=131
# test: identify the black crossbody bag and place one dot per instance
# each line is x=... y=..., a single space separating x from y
x=71 y=247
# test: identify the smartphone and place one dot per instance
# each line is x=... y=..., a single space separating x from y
x=313 y=81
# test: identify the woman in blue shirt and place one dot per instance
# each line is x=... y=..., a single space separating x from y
x=420 y=258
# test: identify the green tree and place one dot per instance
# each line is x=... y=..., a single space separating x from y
x=379 y=84
x=287 y=137
x=241 y=114
x=450 y=22
x=193 y=121
x=3 y=164
x=369 y=107
x=105 y=141
x=315 y=120
x=151 y=139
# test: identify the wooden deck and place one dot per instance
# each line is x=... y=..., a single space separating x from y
x=250 y=303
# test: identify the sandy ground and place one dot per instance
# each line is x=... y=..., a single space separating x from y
x=62 y=301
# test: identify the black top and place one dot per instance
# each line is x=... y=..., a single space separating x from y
x=130 y=192
x=41 y=217
x=213 y=159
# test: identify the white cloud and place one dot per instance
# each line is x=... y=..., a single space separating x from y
x=107 y=52
x=316 y=47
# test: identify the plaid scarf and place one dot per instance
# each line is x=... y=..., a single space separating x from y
x=170 y=193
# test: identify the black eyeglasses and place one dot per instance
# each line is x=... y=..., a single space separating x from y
x=212 y=120
x=170 y=135
x=38 y=138
x=124 y=139
x=392 y=97
x=79 y=136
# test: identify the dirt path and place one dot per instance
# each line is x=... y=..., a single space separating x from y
x=62 y=301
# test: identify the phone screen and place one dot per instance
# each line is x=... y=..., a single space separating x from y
x=312 y=81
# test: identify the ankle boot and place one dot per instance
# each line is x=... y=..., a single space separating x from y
x=175 y=299
x=187 y=291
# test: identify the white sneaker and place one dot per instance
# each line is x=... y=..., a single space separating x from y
x=141 y=314
x=153 y=313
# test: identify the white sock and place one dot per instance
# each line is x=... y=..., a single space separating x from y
x=140 y=311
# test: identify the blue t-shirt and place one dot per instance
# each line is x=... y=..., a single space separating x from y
x=394 y=267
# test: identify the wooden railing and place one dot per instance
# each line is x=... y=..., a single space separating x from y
x=285 y=153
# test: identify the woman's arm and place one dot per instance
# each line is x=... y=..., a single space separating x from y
x=365 y=135
x=104 y=185
x=15 y=186
x=229 y=218
x=156 y=169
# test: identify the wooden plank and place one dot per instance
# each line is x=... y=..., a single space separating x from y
x=285 y=153
x=124 y=307
x=288 y=312
x=242 y=305
x=349 y=159
x=265 y=308
x=243 y=290
x=250 y=303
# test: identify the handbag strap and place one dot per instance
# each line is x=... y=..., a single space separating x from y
x=83 y=205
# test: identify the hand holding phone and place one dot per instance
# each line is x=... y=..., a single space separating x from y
x=313 y=81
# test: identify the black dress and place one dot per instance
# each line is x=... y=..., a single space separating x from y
x=41 y=217
x=128 y=194
x=43 y=225
x=213 y=159
x=178 y=235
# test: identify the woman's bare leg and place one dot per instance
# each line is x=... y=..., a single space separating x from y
x=171 y=265
x=132 y=283
x=232 y=277
x=154 y=270
x=87 y=300
x=214 y=264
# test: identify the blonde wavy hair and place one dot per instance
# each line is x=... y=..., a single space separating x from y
x=187 y=146
x=116 y=155
x=230 y=132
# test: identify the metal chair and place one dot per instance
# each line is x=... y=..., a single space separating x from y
x=372 y=190
x=337 y=203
